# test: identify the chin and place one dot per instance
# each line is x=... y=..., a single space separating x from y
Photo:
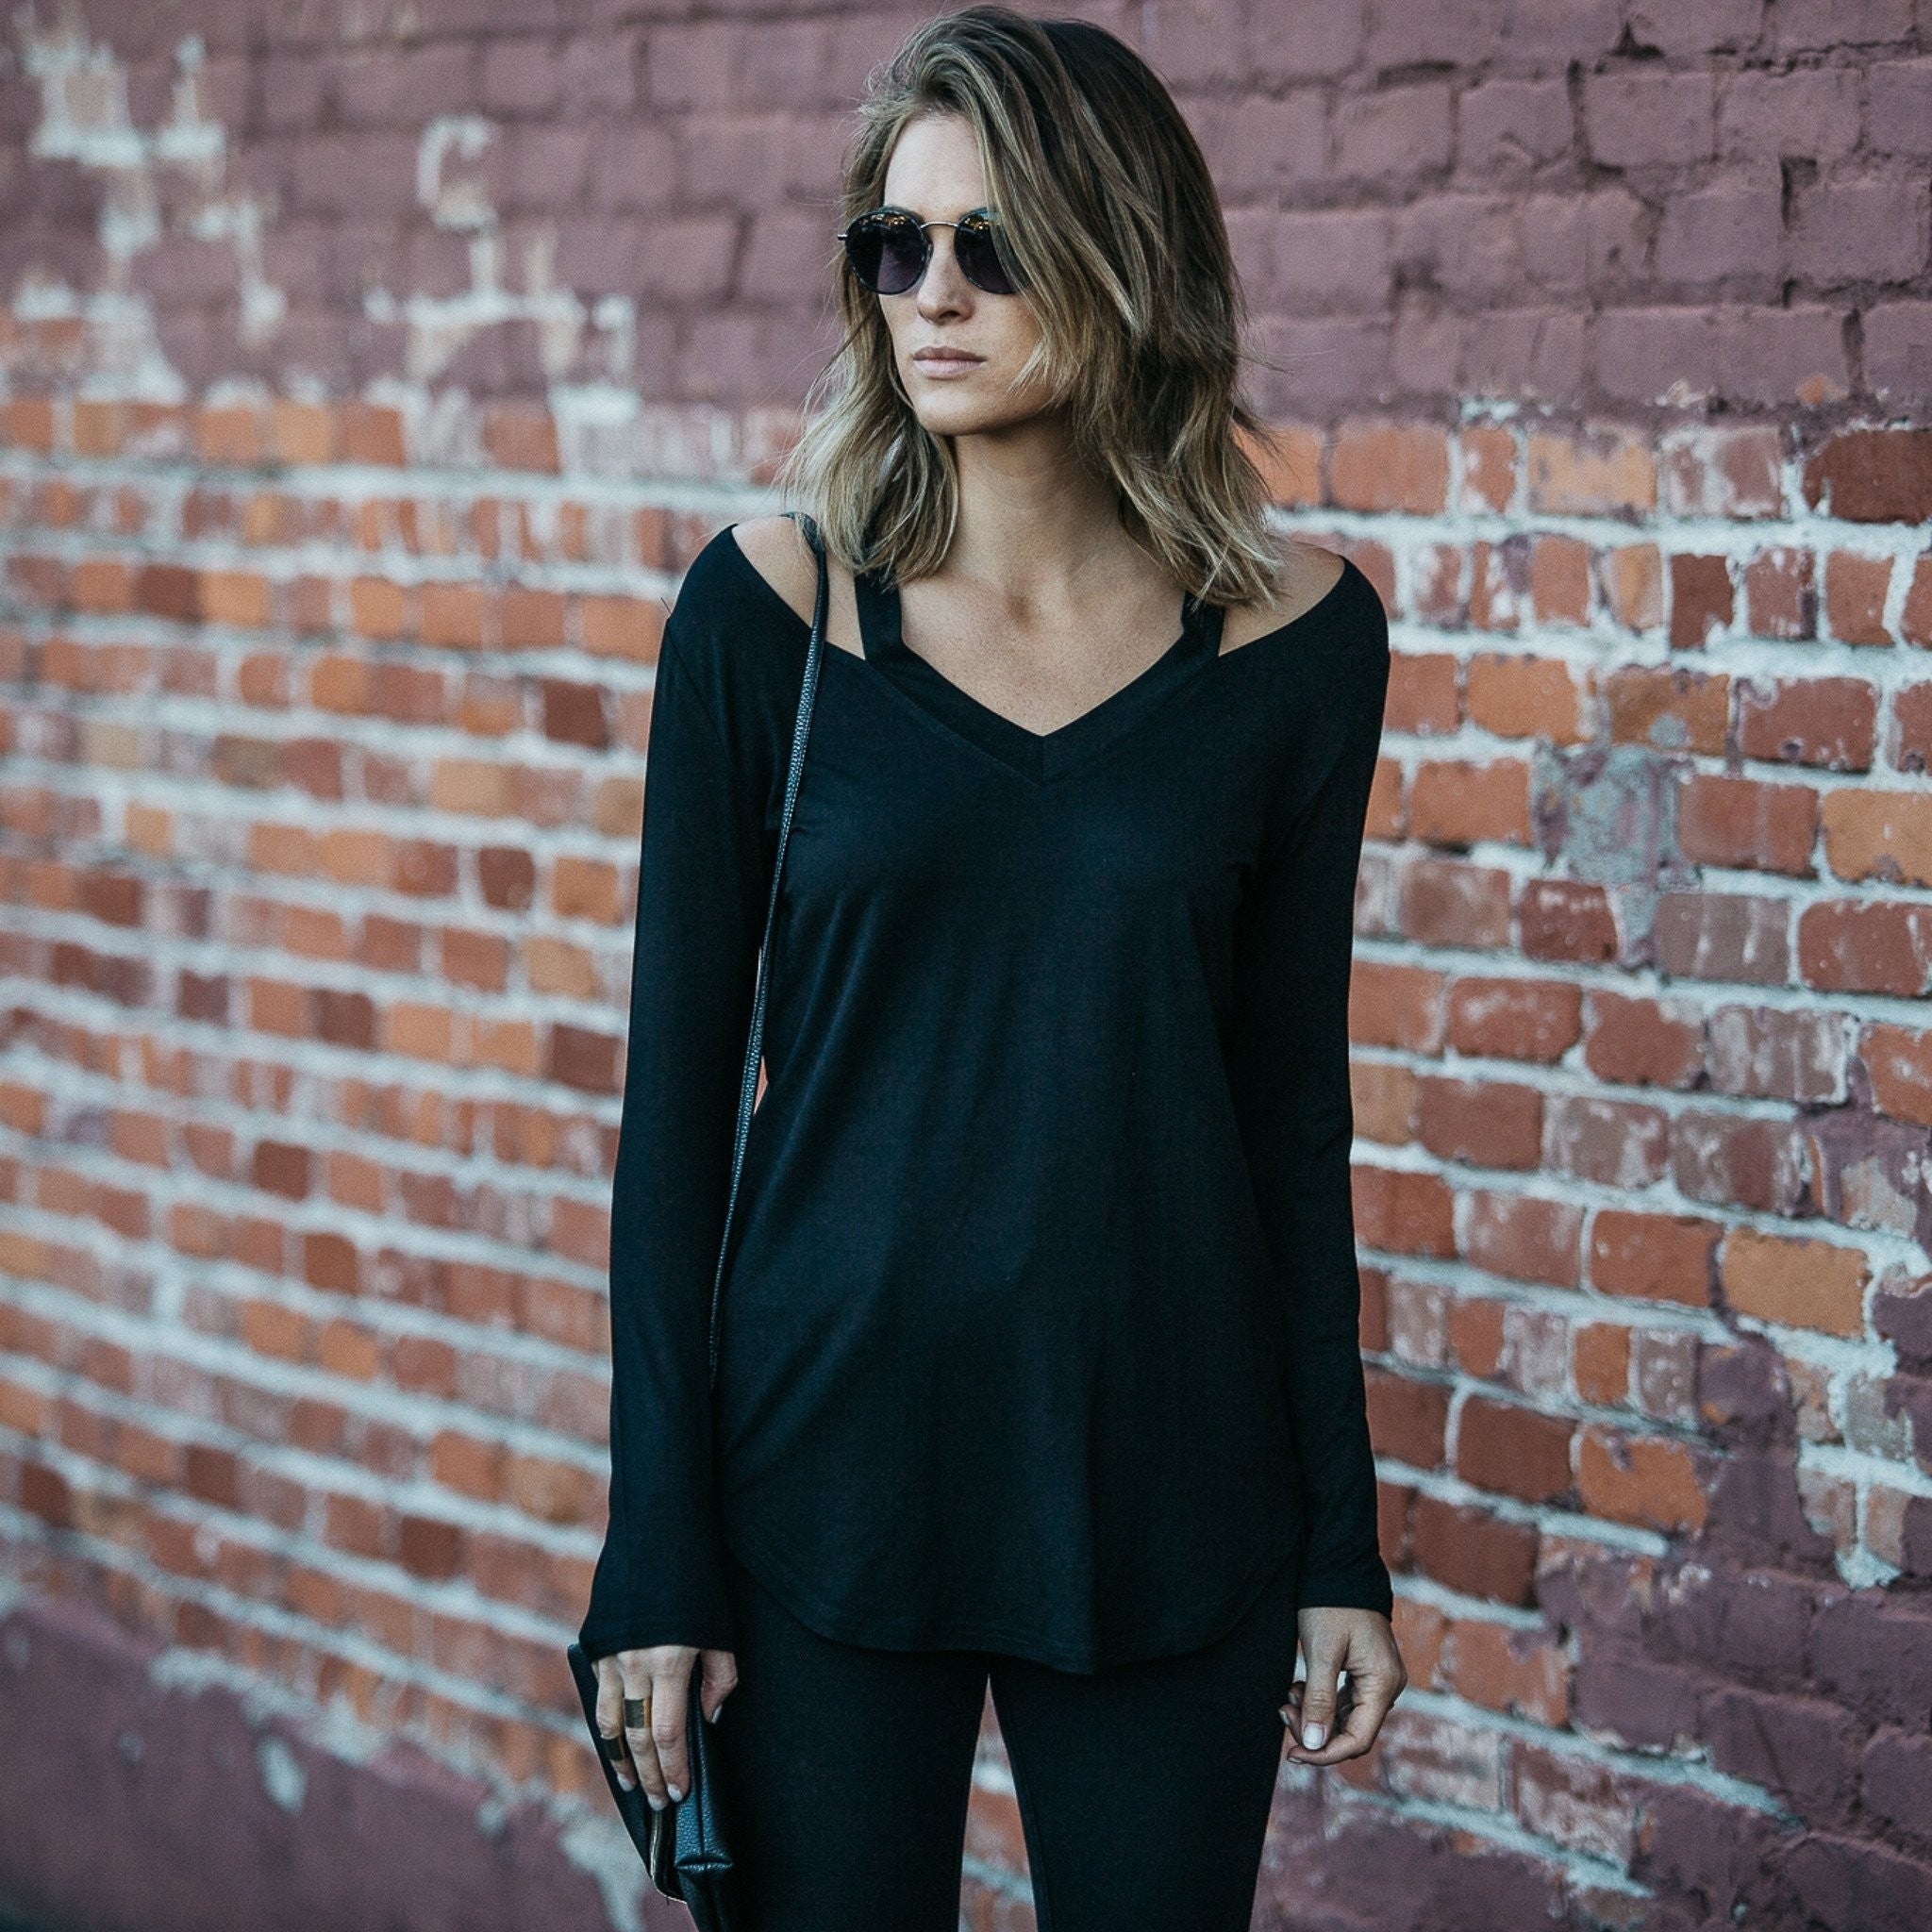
x=948 y=416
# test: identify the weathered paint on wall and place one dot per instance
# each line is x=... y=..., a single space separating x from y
x=371 y=371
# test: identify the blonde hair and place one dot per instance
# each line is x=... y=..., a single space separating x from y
x=1109 y=214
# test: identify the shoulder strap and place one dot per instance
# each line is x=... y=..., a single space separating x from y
x=747 y=1091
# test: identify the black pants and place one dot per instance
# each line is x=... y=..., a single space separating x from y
x=1143 y=1792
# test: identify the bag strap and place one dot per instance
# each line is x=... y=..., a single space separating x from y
x=747 y=1091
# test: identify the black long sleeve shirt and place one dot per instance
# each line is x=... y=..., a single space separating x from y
x=1038 y=1330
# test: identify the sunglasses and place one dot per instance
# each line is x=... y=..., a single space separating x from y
x=889 y=250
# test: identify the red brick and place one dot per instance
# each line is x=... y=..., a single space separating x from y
x=1666 y=1257
x=1466 y=1549
x=1514 y=1019
x=1847 y=946
x=1512 y=1450
x=1407 y=1419
x=1827 y=721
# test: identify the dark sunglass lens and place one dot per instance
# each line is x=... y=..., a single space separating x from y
x=980 y=261
x=888 y=253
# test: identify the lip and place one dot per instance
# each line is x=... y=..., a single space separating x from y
x=946 y=358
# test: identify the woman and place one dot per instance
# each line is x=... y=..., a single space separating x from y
x=1038 y=1359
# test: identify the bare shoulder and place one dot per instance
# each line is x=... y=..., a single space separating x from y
x=1308 y=573
x=775 y=548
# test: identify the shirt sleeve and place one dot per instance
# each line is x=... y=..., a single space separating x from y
x=1293 y=952
x=702 y=873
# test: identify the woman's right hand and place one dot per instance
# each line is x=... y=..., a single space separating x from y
x=655 y=1682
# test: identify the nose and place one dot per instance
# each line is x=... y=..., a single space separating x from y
x=943 y=290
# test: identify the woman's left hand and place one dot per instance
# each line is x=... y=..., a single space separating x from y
x=1345 y=1719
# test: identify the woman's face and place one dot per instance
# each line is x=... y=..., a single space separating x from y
x=934 y=172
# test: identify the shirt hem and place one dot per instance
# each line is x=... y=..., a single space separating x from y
x=771 y=1570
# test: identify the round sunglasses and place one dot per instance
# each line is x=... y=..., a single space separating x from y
x=889 y=250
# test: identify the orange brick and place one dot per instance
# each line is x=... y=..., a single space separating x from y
x=1830 y=722
x=1524 y=1237
x=236 y=597
x=627 y=627
x=369 y=433
x=1670 y=708
x=1854 y=593
x=521 y=436
x=1524 y=696
x=229 y=435
x=1453 y=803
x=1600 y=1362
x=1590 y=475
x=1289 y=459
x=377 y=608
x=1397 y=1005
x=1633 y=586
x=29 y=424
x=1422 y=694
x=1486 y=470
x=421 y=1031
x=1477 y=1335
x=301 y=433
x=101 y=585
x=1883 y=836
x=453 y=615
x=1515 y=1018
x=1795 y=1283
x=1899 y=1061
x=1647 y=1481
x=1407 y=1419
x=1518 y=1671
x=531 y=619
x=1390 y=466
x=1780 y=598
x=1511 y=1450
x=97 y=428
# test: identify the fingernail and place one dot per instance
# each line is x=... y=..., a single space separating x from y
x=1312 y=1736
x=677 y=1791
x=656 y=1803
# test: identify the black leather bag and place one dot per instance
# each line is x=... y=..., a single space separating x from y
x=685 y=1847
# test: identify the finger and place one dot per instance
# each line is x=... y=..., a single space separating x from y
x=1363 y=1706
x=669 y=1694
x=720 y=1678
x=610 y=1722
x=1352 y=1734
x=638 y=1696
x=1316 y=1718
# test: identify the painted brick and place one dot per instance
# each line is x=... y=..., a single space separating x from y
x=351 y=484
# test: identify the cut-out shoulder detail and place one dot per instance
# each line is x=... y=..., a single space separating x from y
x=1306 y=592
x=776 y=549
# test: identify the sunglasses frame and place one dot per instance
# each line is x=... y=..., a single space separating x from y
x=982 y=217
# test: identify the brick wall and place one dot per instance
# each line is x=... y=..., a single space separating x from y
x=370 y=372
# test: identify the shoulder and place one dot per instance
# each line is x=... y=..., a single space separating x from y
x=776 y=549
x=731 y=580
x=731 y=637
x=1313 y=585
x=1320 y=642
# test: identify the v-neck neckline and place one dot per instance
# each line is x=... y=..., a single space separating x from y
x=1037 y=756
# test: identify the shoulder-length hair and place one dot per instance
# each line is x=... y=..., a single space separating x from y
x=1109 y=214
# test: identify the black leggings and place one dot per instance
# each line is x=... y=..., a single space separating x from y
x=1143 y=1792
